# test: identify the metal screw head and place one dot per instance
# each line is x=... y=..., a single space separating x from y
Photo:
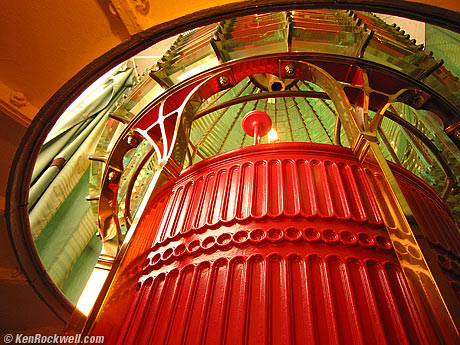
x=113 y=175
x=457 y=134
x=289 y=70
x=131 y=140
x=418 y=100
x=223 y=81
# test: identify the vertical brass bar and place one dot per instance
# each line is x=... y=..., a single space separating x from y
x=427 y=282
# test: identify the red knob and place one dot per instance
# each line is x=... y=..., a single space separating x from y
x=257 y=123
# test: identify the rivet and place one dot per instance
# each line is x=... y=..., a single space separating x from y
x=224 y=81
x=457 y=134
x=289 y=70
x=418 y=100
x=131 y=140
x=113 y=175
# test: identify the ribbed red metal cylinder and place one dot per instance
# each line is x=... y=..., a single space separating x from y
x=276 y=244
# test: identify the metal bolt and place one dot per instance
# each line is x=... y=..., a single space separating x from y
x=418 y=100
x=224 y=81
x=289 y=70
x=113 y=175
x=456 y=134
x=131 y=140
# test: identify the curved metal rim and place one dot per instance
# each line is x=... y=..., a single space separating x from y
x=137 y=171
x=21 y=169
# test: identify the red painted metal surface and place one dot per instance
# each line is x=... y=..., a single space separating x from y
x=256 y=124
x=278 y=244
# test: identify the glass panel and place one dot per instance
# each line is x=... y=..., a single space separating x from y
x=446 y=84
x=389 y=32
x=399 y=57
x=323 y=31
x=131 y=162
x=445 y=44
x=254 y=35
x=109 y=137
x=433 y=174
x=141 y=184
x=147 y=90
x=192 y=53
